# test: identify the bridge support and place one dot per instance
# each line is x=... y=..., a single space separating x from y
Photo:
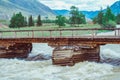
x=15 y=50
x=69 y=55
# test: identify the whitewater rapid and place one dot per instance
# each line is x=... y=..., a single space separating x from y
x=14 y=69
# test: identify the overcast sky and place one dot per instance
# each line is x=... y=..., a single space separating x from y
x=89 y=5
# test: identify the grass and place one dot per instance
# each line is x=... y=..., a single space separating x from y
x=47 y=33
x=46 y=27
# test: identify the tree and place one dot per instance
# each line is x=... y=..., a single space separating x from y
x=17 y=21
x=109 y=15
x=76 y=16
x=81 y=19
x=109 y=19
x=95 y=20
x=25 y=21
x=39 y=22
x=30 y=21
x=60 y=20
x=100 y=17
x=118 y=19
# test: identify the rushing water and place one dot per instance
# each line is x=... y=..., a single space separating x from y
x=14 y=69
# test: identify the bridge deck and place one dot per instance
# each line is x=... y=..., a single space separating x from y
x=63 y=36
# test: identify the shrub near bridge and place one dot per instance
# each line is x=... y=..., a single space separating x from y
x=110 y=24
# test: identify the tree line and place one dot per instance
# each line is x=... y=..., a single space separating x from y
x=107 y=19
x=18 y=20
x=76 y=18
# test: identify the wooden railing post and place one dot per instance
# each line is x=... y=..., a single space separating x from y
x=32 y=34
x=42 y=33
x=15 y=34
x=72 y=34
x=118 y=32
x=50 y=33
x=93 y=33
x=115 y=33
x=60 y=33
x=0 y=34
x=28 y=34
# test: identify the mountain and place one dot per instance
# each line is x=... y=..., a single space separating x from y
x=27 y=7
x=61 y=12
x=88 y=14
x=91 y=14
x=116 y=7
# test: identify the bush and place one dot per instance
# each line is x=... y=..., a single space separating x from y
x=110 y=24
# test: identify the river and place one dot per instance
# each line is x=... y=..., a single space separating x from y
x=15 y=69
x=107 y=69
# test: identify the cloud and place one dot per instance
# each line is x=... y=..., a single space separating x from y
x=81 y=4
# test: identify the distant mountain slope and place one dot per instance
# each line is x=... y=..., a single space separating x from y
x=91 y=14
x=88 y=14
x=27 y=7
x=61 y=12
x=116 y=7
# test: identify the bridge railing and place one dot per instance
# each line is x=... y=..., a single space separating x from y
x=94 y=32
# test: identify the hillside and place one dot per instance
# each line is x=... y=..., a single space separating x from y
x=91 y=14
x=116 y=7
x=27 y=7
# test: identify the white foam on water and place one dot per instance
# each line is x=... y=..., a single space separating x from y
x=110 y=51
x=14 y=69
x=41 y=48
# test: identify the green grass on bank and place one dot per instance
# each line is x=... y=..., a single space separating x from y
x=53 y=26
x=47 y=33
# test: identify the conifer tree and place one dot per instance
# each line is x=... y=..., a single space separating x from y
x=109 y=15
x=39 y=22
x=100 y=17
x=17 y=21
x=30 y=21
x=118 y=19
x=25 y=21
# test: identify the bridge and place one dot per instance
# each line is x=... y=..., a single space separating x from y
x=84 y=42
x=63 y=36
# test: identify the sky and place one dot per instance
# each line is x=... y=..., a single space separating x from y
x=89 y=5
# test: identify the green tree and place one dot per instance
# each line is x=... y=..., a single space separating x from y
x=25 y=21
x=76 y=16
x=100 y=17
x=30 y=21
x=39 y=22
x=109 y=19
x=95 y=20
x=109 y=15
x=60 y=20
x=118 y=19
x=17 y=21
x=81 y=19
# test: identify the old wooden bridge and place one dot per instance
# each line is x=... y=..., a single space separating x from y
x=71 y=45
